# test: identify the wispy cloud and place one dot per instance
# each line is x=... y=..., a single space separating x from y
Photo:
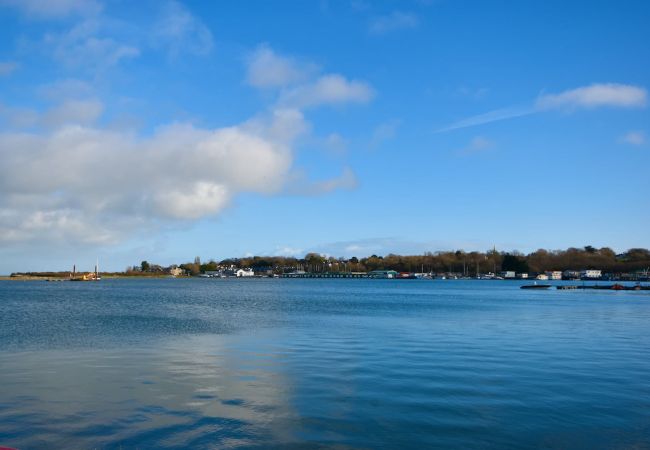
x=394 y=21
x=300 y=185
x=476 y=145
x=54 y=9
x=588 y=97
x=7 y=67
x=384 y=131
x=488 y=117
x=180 y=31
x=634 y=138
x=267 y=69
x=335 y=144
x=87 y=45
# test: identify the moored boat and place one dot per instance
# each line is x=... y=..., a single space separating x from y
x=536 y=286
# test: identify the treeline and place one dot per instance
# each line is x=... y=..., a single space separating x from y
x=469 y=263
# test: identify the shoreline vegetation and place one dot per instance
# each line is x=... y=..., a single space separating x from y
x=633 y=264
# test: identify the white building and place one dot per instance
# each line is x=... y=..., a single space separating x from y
x=176 y=272
x=591 y=273
x=542 y=276
x=508 y=274
x=554 y=274
x=245 y=273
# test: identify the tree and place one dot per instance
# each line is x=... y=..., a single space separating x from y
x=144 y=266
x=514 y=263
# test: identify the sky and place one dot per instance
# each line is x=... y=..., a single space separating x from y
x=164 y=130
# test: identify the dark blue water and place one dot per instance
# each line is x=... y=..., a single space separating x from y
x=202 y=364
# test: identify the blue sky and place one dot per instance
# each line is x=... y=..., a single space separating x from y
x=163 y=130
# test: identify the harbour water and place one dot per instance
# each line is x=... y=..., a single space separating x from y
x=317 y=363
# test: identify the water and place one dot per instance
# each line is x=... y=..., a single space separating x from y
x=268 y=363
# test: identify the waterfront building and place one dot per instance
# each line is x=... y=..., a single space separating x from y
x=571 y=274
x=176 y=272
x=554 y=274
x=591 y=273
x=245 y=273
x=382 y=274
x=508 y=274
x=522 y=275
x=542 y=276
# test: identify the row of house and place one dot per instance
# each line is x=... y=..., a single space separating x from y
x=587 y=274
x=232 y=272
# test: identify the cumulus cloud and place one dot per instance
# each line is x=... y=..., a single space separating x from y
x=7 y=67
x=594 y=96
x=396 y=20
x=54 y=9
x=299 y=83
x=180 y=31
x=328 y=90
x=634 y=138
x=90 y=185
x=267 y=69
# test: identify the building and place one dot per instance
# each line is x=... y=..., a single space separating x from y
x=244 y=273
x=571 y=274
x=508 y=274
x=382 y=274
x=554 y=274
x=591 y=274
x=176 y=272
x=542 y=276
x=522 y=275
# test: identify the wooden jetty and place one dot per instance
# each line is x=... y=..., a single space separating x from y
x=607 y=287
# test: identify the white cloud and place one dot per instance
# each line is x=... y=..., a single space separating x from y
x=634 y=138
x=300 y=185
x=19 y=117
x=7 y=67
x=396 y=20
x=288 y=251
x=83 y=112
x=328 y=90
x=84 y=47
x=335 y=143
x=488 y=117
x=384 y=132
x=180 y=31
x=300 y=85
x=476 y=145
x=66 y=89
x=90 y=185
x=588 y=97
x=54 y=9
x=594 y=96
x=268 y=69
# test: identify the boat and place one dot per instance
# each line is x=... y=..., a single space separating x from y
x=535 y=286
x=90 y=276
x=406 y=276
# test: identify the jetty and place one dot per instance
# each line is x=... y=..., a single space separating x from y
x=607 y=287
